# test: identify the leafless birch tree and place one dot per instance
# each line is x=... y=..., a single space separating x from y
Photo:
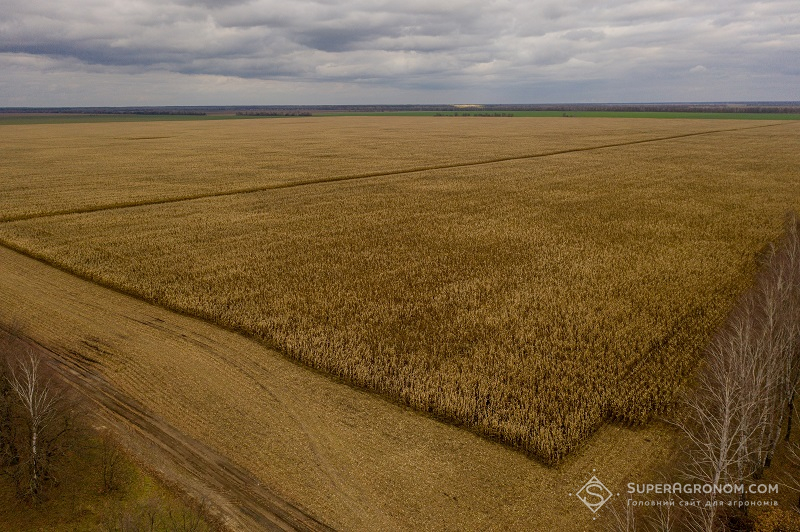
x=733 y=418
x=42 y=422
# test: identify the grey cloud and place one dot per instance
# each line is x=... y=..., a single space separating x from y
x=333 y=39
x=496 y=47
x=554 y=11
x=213 y=4
x=585 y=35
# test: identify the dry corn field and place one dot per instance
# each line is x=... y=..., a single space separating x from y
x=530 y=299
x=56 y=168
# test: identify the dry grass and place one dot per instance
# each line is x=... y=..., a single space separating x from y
x=49 y=168
x=530 y=300
x=350 y=458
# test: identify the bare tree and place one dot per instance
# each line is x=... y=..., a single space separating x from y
x=778 y=357
x=38 y=402
x=732 y=420
x=792 y=263
x=187 y=519
x=9 y=454
x=624 y=515
x=729 y=414
x=714 y=425
x=789 y=476
x=110 y=463
x=41 y=406
x=665 y=517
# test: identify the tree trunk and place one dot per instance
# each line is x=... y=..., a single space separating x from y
x=34 y=464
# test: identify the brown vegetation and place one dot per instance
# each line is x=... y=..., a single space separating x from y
x=50 y=168
x=737 y=412
x=530 y=300
x=745 y=391
x=351 y=459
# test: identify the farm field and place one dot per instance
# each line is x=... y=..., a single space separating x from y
x=20 y=119
x=530 y=300
x=347 y=457
x=66 y=167
x=476 y=113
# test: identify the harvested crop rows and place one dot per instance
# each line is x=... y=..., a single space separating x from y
x=531 y=300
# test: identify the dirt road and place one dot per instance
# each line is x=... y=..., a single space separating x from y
x=208 y=477
x=246 y=429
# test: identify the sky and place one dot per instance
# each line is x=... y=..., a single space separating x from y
x=286 y=52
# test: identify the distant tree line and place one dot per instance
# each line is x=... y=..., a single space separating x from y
x=706 y=107
x=176 y=111
x=474 y=114
x=782 y=107
x=273 y=113
x=157 y=112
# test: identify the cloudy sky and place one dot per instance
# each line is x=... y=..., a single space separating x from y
x=208 y=52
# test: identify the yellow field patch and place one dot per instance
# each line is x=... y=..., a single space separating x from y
x=530 y=299
x=48 y=168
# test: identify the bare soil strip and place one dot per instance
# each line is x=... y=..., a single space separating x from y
x=248 y=428
x=335 y=179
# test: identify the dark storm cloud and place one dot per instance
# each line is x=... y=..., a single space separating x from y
x=494 y=47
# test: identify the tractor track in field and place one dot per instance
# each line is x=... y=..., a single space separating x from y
x=356 y=177
x=237 y=426
x=243 y=501
x=334 y=429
